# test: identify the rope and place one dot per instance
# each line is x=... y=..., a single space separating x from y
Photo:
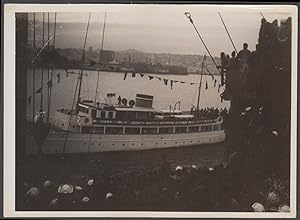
x=42 y=78
x=228 y=33
x=98 y=73
x=188 y=15
x=33 y=71
x=77 y=84
x=53 y=65
x=48 y=72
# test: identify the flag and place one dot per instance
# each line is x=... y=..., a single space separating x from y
x=142 y=75
x=171 y=84
x=158 y=78
x=133 y=75
x=192 y=83
x=58 y=77
x=125 y=75
x=150 y=77
x=206 y=85
x=29 y=99
x=49 y=83
x=39 y=90
x=165 y=81
x=175 y=81
x=215 y=83
x=182 y=82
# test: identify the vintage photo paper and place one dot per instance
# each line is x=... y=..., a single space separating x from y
x=150 y=110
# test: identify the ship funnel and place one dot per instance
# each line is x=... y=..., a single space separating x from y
x=145 y=101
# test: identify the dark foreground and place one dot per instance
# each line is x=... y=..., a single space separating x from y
x=153 y=180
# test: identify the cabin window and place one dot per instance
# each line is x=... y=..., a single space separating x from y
x=83 y=109
x=94 y=113
x=132 y=130
x=180 y=129
x=103 y=114
x=149 y=130
x=194 y=129
x=110 y=114
x=86 y=129
x=99 y=130
x=114 y=130
x=167 y=130
x=206 y=128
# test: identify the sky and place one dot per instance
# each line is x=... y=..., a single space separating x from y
x=164 y=28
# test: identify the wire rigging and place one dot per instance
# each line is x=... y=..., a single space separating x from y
x=42 y=60
x=53 y=66
x=227 y=32
x=33 y=72
x=78 y=83
x=189 y=16
x=98 y=72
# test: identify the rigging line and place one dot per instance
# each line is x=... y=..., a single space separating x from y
x=101 y=48
x=227 y=32
x=262 y=15
x=48 y=70
x=98 y=73
x=188 y=15
x=200 y=83
x=83 y=59
x=42 y=77
x=33 y=71
x=44 y=46
x=78 y=83
x=53 y=64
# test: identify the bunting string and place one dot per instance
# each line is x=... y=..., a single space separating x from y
x=171 y=82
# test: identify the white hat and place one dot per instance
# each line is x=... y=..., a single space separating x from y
x=211 y=169
x=78 y=188
x=90 y=182
x=275 y=133
x=247 y=109
x=194 y=166
x=85 y=199
x=179 y=168
x=33 y=192
x=108 y=195
x=65 y=188
x=284 y=208
x=258 y=207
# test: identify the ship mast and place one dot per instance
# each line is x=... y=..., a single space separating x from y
x=200 y=83
x=82 y=64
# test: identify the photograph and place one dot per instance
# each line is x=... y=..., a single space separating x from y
x=150 y=110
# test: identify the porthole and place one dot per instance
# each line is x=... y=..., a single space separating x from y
x=161 y=137
x=191 y=141
x=165 y=143
x=73 y=126
x=113 y=144
x=184 y=142
x=62 y=124
x=142 y=144
x=99 y=144
x=123 y=144
x=132 y=144
x=156 y=143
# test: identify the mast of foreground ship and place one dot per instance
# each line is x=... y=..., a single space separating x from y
x=200 y=83
x=83 y=61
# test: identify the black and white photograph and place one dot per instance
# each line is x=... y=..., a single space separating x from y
x=150 y=110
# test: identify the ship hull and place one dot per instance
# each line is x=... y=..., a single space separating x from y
x=85 y=143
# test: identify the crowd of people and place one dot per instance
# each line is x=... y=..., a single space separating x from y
x=210 y=112
x=92 y=186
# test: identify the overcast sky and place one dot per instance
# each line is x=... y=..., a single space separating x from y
x=164 y=28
